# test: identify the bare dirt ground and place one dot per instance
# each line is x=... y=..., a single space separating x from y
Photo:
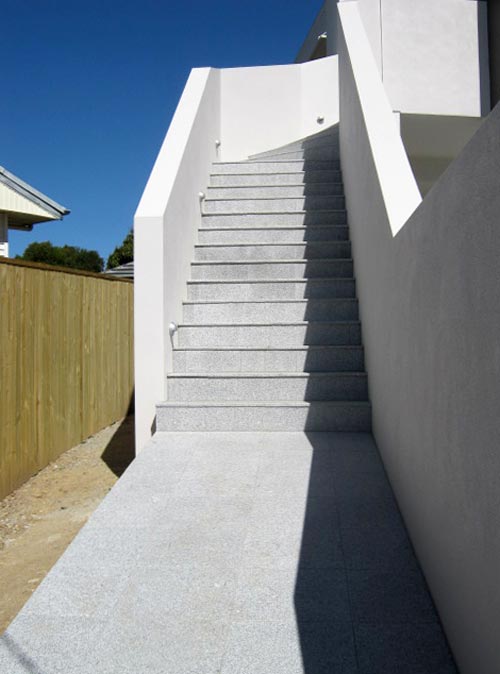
x=40 y=519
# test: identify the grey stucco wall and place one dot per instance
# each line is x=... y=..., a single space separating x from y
x=494 y=47
x=430 y=311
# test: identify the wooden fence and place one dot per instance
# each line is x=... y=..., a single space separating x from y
x=66 y=362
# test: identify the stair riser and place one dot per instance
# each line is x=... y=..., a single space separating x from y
x=277 y=191
x=272 y=270
x=241 y=312
x=306 y=360
x=269 y=336
x=267 y=235
x=273 y=205
x=276 y=179
x=329 y=152
x=276 y=219
x=316 y=417
x=321 y=387
x=273 y=252
x=288 y=166
x=271 y=291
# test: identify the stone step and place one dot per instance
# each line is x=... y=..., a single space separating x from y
x=269 y=270
x=274 y=179
x=291 y=416
x=261 y=235
x=272 y=251
x=330 y=151
x=275 y=191
x=278 y=289
x=269 y=335
x=273 y=204
x=286 y=219
x=305 y=359
x=304 y=144
x=289 y=311
x=273 y=166
x=252 y=387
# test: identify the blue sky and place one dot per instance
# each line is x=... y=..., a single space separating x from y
x=89 y=88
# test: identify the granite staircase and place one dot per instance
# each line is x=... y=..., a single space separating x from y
x=271 y=339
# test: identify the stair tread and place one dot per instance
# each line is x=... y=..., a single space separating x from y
x=266 y=349
x=277 y=198
x=272 y=244
x=266 y=375
x=265 y=185
x=265 y=229
x=309 y=210
x=270 y=324
x=335 y=279
x=275 y=261
x=264 y=160
x=263 y=403
x=306 y=301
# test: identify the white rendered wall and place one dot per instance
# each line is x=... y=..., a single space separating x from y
x=165 y=228
x=429 y=299
x=325 y=22
x=266 y=107
x=432 y=55
x=319 y=94
x=4 y=235
x=370 y=12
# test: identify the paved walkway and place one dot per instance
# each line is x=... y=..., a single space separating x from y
x=237 y=553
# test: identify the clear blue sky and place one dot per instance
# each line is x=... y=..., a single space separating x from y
x=88 y=90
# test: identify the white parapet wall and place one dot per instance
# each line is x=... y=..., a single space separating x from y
x=429 y=294
x=165 y=228
x=247 y=110
x=269 y=106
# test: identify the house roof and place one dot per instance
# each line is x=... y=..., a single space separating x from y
x=25 y=205
x=123 y=271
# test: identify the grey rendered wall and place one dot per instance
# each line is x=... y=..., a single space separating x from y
x=494 y=45
x=430 y=310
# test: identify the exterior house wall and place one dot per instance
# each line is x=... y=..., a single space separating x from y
x=429 y=293
x=432 y=56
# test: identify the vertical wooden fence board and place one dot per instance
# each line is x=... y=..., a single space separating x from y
x=66 y=368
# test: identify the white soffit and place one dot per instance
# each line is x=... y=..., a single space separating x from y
x=13 y=202
x=24 y=205
x=437 y=135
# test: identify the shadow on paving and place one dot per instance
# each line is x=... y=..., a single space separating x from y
x=361 y=601
x=120 y=451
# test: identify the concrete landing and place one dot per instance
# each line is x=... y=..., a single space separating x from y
x=237 y=553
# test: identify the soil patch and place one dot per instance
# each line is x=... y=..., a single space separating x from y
x=40 y=519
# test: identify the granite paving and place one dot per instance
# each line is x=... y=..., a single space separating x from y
x=237 y=553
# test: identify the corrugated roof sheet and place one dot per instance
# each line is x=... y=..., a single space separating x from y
x=123 y=271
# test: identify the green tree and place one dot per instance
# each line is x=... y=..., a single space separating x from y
x=124 y=253
x=63 y=256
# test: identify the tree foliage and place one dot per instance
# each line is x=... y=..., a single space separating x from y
x=124 y=253
x=63 y=256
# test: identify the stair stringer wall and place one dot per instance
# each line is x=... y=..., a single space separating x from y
x=429 y=291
